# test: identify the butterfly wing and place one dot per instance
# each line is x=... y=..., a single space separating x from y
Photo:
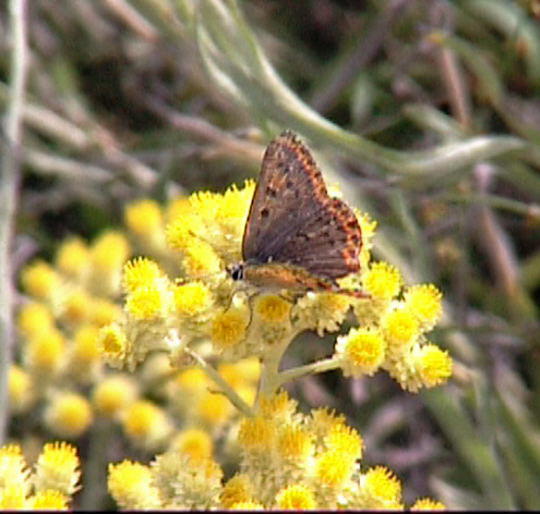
x=293 y=220
x=288 y=185
x=328 y=244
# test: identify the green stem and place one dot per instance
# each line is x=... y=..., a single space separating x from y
x=309 y=369
x=476 y=451
x=226 y=389
x=253 y=81
x=499 y=202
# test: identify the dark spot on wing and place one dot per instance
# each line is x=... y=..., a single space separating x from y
x=270 y=191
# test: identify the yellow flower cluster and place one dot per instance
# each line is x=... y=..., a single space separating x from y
x=67 y=305
x=393 y=334
x=48 y=485
x=95 y=301
x=288 y=461
x=158 y=298
x=200 y=304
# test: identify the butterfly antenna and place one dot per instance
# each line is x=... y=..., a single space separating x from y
x=204 y=278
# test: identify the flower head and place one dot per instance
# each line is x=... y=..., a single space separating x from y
x=50 y=499
x=427 y=504
x=382 y=280
x=148 y=303
x=192 y=380
x=68 y=414
x=237 y=490
x=45 y=353
x=184 y=227
x=113 y=344
x=34 y=318
x=323 y=420
x=233 y=209
x=333 y=468
x=73 y=306
x=72 y=257
x=39 y=279
x=143 y=217
x=434 y=365
x=381 y=488
x=13 y=468
x=400 y=328
x=140 y=272
x=362 y=351
x=193 y=442
x=13 y=497
x=109 y=251
x=295 y=443
x=187 y=483
x=424 y=302
x=130 y=484
x=279 y=406
x=229 y=328
x=21 y=390
x=344 y=439
x=146 y=424
x=296 y=497
x=246 y=506
x=272 y=309
x=107 y=256
x=206 y=204
x=321 y=312
x=256 y=435
x=245 y=372
x=192 y=298
x=114 y=394
x=85 y=350
x=367 y=227
x=200 y=259
x=57 y=468
x=212 y=409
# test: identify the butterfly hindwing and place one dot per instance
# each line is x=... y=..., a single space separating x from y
x=328 y=245
x=292 y=220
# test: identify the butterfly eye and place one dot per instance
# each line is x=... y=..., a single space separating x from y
x=236 y=272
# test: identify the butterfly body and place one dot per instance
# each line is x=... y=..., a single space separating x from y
x=296 y=236
x=275 y=276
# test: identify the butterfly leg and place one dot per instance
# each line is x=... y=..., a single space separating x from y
x=247 y=291
x=355 y=293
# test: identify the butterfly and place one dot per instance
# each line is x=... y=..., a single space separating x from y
x=296 y=236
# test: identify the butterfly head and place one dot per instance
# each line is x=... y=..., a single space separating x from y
x=236 y=271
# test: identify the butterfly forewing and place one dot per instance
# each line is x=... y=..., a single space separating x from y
x=292 y=220
x=286 y=192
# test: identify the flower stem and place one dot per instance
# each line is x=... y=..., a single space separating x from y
x=269 y=381
x=309 y=369
x=226 y=389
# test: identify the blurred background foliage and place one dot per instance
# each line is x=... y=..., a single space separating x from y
x=426 y=113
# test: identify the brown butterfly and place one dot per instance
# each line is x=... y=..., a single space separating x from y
x=297 y=237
